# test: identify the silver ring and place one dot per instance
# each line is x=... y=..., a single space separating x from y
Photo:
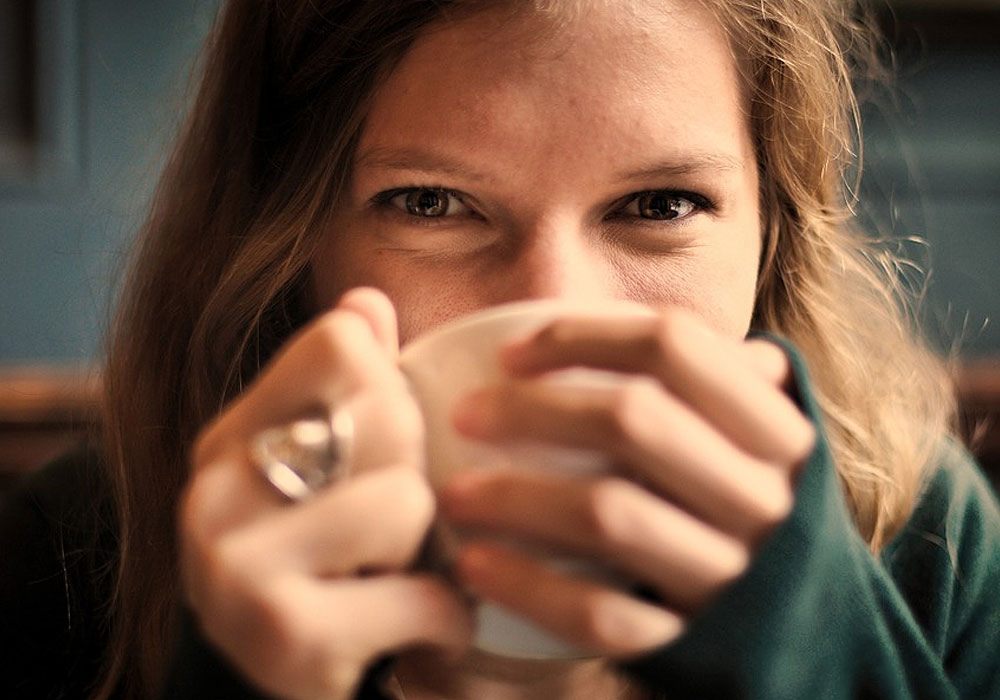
x=300 y=458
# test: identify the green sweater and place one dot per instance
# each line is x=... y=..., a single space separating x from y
x=815 y=617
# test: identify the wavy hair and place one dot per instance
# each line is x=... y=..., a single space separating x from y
x=219 y=277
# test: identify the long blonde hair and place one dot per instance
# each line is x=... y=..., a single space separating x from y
x=837 y=293
x=219 y=277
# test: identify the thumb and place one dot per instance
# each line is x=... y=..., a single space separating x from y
x=374 y=306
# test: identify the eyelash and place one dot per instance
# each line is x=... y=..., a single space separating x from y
x=699 y=203
x=383 y=200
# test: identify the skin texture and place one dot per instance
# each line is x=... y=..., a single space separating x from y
x=544 y=142
x=539 y=141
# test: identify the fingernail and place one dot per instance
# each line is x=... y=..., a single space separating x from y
x=638 y=628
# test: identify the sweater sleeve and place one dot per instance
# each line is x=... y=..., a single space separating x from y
x=199 y=671
x=818 y=616
x=57 y=555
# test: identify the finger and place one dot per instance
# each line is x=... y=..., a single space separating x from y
x=374 y=306
x=337 y=362
x=407 y=610
x=705 y=370
x=388 y=429
x=769 y=361
x=335 y=356
x=615 y=520
x=375 y=522
x=301 y=639
x=586 y=614
x=659 y=439
x=224 y=493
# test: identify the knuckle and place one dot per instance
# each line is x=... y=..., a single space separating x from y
x=775 y=502
x=408 y=428
x=594 y=621
x=334 y=326
x=227 y=567
x=332 y=337
x=631 y=406
x=768 y=359
x=733 y=562
x=269 y=625
x=324 y=337
x=212 y=444
x=204 y=448
x=190 y=505
x=412 y=497
x=389 y=428
x=326 y=656
x=198 y=509
x=556 y=333
x=806 y=438
x=289 y=634
x=229 y=598
x=607 y=506
x=278 y=622
x=672 y=333
x=297 y=654
x=299 y=645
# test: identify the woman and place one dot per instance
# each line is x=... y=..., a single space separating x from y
x=688 y=156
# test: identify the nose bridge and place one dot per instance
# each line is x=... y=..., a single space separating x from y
x=558 y=259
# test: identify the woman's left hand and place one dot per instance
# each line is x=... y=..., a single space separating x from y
x=706 y=446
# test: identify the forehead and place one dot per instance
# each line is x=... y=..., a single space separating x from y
x=620 y=78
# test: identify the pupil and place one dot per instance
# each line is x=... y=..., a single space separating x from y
x=426 y=203
x=658 y=206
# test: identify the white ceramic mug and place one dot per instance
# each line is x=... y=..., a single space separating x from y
x=451 y=361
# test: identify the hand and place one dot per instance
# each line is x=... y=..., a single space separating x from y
x=302 y=598
x=706 y=446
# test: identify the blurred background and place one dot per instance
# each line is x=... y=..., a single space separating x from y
x=92 y=90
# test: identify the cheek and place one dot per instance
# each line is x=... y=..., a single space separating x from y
x=419 y=312
x=724 y=298
x=735 y=268
x=718 y=282
x=735 y=276
x=733 y=306
x=327 y=275
x=423 y=296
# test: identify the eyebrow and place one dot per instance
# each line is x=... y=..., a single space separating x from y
x=417 y=159
x=687 y=164
x=427 y=161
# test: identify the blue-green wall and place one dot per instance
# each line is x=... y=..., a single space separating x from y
x=111 y=90
x=933 y=171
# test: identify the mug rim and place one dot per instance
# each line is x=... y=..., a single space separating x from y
x=515 y=308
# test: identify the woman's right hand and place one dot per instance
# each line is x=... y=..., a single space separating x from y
x=301 y=598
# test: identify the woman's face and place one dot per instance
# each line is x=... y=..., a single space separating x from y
x=510 y=157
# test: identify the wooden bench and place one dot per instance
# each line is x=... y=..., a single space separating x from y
x=44 y=411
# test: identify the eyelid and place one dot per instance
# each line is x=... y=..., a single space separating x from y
x=384 y=198
x=701 y=203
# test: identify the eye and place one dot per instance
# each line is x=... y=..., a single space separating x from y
x=662 y=205
x=424 y=202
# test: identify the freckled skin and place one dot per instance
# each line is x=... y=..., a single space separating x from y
x=543 y=117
